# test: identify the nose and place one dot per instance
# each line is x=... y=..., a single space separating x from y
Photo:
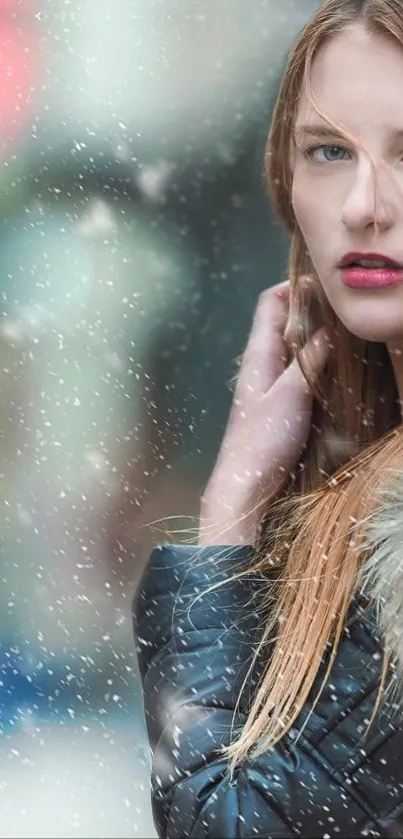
x=369 y=203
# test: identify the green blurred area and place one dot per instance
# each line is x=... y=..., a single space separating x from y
x=135 y=238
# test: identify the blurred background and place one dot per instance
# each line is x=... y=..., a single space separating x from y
x=135 y=238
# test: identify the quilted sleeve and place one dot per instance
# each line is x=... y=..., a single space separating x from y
x=193 y=657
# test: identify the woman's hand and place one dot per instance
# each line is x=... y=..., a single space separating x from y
x=268 y=426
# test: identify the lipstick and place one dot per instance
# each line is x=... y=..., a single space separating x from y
x=370 y=270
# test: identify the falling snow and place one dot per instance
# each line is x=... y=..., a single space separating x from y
x=135 y=240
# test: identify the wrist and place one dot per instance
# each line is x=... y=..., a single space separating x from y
x=226 y=527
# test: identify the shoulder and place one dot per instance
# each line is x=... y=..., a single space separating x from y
x=196 y=625
x=186 y=588
x=172 y=567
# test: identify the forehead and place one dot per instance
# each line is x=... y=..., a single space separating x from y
x=356 y=79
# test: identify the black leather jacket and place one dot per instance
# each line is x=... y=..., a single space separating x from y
x=332 y=781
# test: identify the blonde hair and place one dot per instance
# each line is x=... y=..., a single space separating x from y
x=354 y=439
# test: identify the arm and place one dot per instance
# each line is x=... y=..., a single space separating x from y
x=192 y=664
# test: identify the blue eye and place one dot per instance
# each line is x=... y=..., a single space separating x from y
x=327 y=154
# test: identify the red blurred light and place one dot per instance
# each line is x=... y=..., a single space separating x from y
x=19 y=71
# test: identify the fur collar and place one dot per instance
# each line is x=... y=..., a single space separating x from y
x=381 y=577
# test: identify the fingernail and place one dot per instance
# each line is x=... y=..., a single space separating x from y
x=320 y=338
x=322 y=335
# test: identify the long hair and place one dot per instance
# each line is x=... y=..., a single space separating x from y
x=306 y=530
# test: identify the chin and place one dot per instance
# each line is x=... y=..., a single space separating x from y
x=378 y=329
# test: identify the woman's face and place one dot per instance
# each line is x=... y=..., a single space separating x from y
x=357 y=81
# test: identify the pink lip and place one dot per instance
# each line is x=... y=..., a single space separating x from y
x=371 y=277
x=354 y=276
x=356 y=256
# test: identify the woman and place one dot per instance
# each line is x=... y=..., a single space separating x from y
x=272 y=653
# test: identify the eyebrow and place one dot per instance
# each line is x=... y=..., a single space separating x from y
x=315 y=130
x=326 y=131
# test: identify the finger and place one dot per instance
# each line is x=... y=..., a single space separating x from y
x=264 y=358
x=316 y=352
x=298 y=319
x=313 y=358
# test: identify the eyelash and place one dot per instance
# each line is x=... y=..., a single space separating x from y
x=309 y=152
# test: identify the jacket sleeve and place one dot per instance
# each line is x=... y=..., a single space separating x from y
x=193 y=657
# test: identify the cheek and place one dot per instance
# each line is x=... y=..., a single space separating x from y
x=311 y=212
x=305 y=209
